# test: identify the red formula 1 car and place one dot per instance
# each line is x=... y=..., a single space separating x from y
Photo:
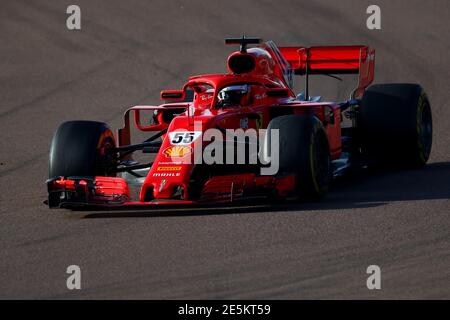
x=303 y=144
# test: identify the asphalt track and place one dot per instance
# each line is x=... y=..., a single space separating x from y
x=129 y=50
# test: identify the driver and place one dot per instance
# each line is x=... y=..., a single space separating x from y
x=234 y=96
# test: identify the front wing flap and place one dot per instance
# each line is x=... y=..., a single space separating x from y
x=110 y=192
x=86 y=190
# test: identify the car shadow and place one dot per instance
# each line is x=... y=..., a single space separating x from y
x=363 y=189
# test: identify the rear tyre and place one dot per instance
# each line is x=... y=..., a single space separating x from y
x=396 y=124
x=304 y=152
x=82 y=148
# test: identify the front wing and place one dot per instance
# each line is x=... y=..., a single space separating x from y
x=112 y=192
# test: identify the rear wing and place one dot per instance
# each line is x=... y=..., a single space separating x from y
x=333 y=60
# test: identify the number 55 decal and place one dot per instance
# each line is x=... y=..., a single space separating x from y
x=183 y=138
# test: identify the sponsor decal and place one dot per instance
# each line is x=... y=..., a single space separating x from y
x=183 y=138
x=169 y=168
x=177 y=151
x=206 y=97
x=170 y=162
x=167 y=174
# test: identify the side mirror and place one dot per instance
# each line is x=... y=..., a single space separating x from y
x=173 y=95
x=152 y=123
x=278 y=93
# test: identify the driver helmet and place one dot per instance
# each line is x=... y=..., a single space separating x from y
x=234 y=96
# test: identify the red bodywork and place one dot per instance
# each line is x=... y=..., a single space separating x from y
x=273 y=70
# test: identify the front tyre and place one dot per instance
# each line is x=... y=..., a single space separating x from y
x=82 y=148
x=303 y=152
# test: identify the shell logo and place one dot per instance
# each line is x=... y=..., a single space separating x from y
x=177 y=151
